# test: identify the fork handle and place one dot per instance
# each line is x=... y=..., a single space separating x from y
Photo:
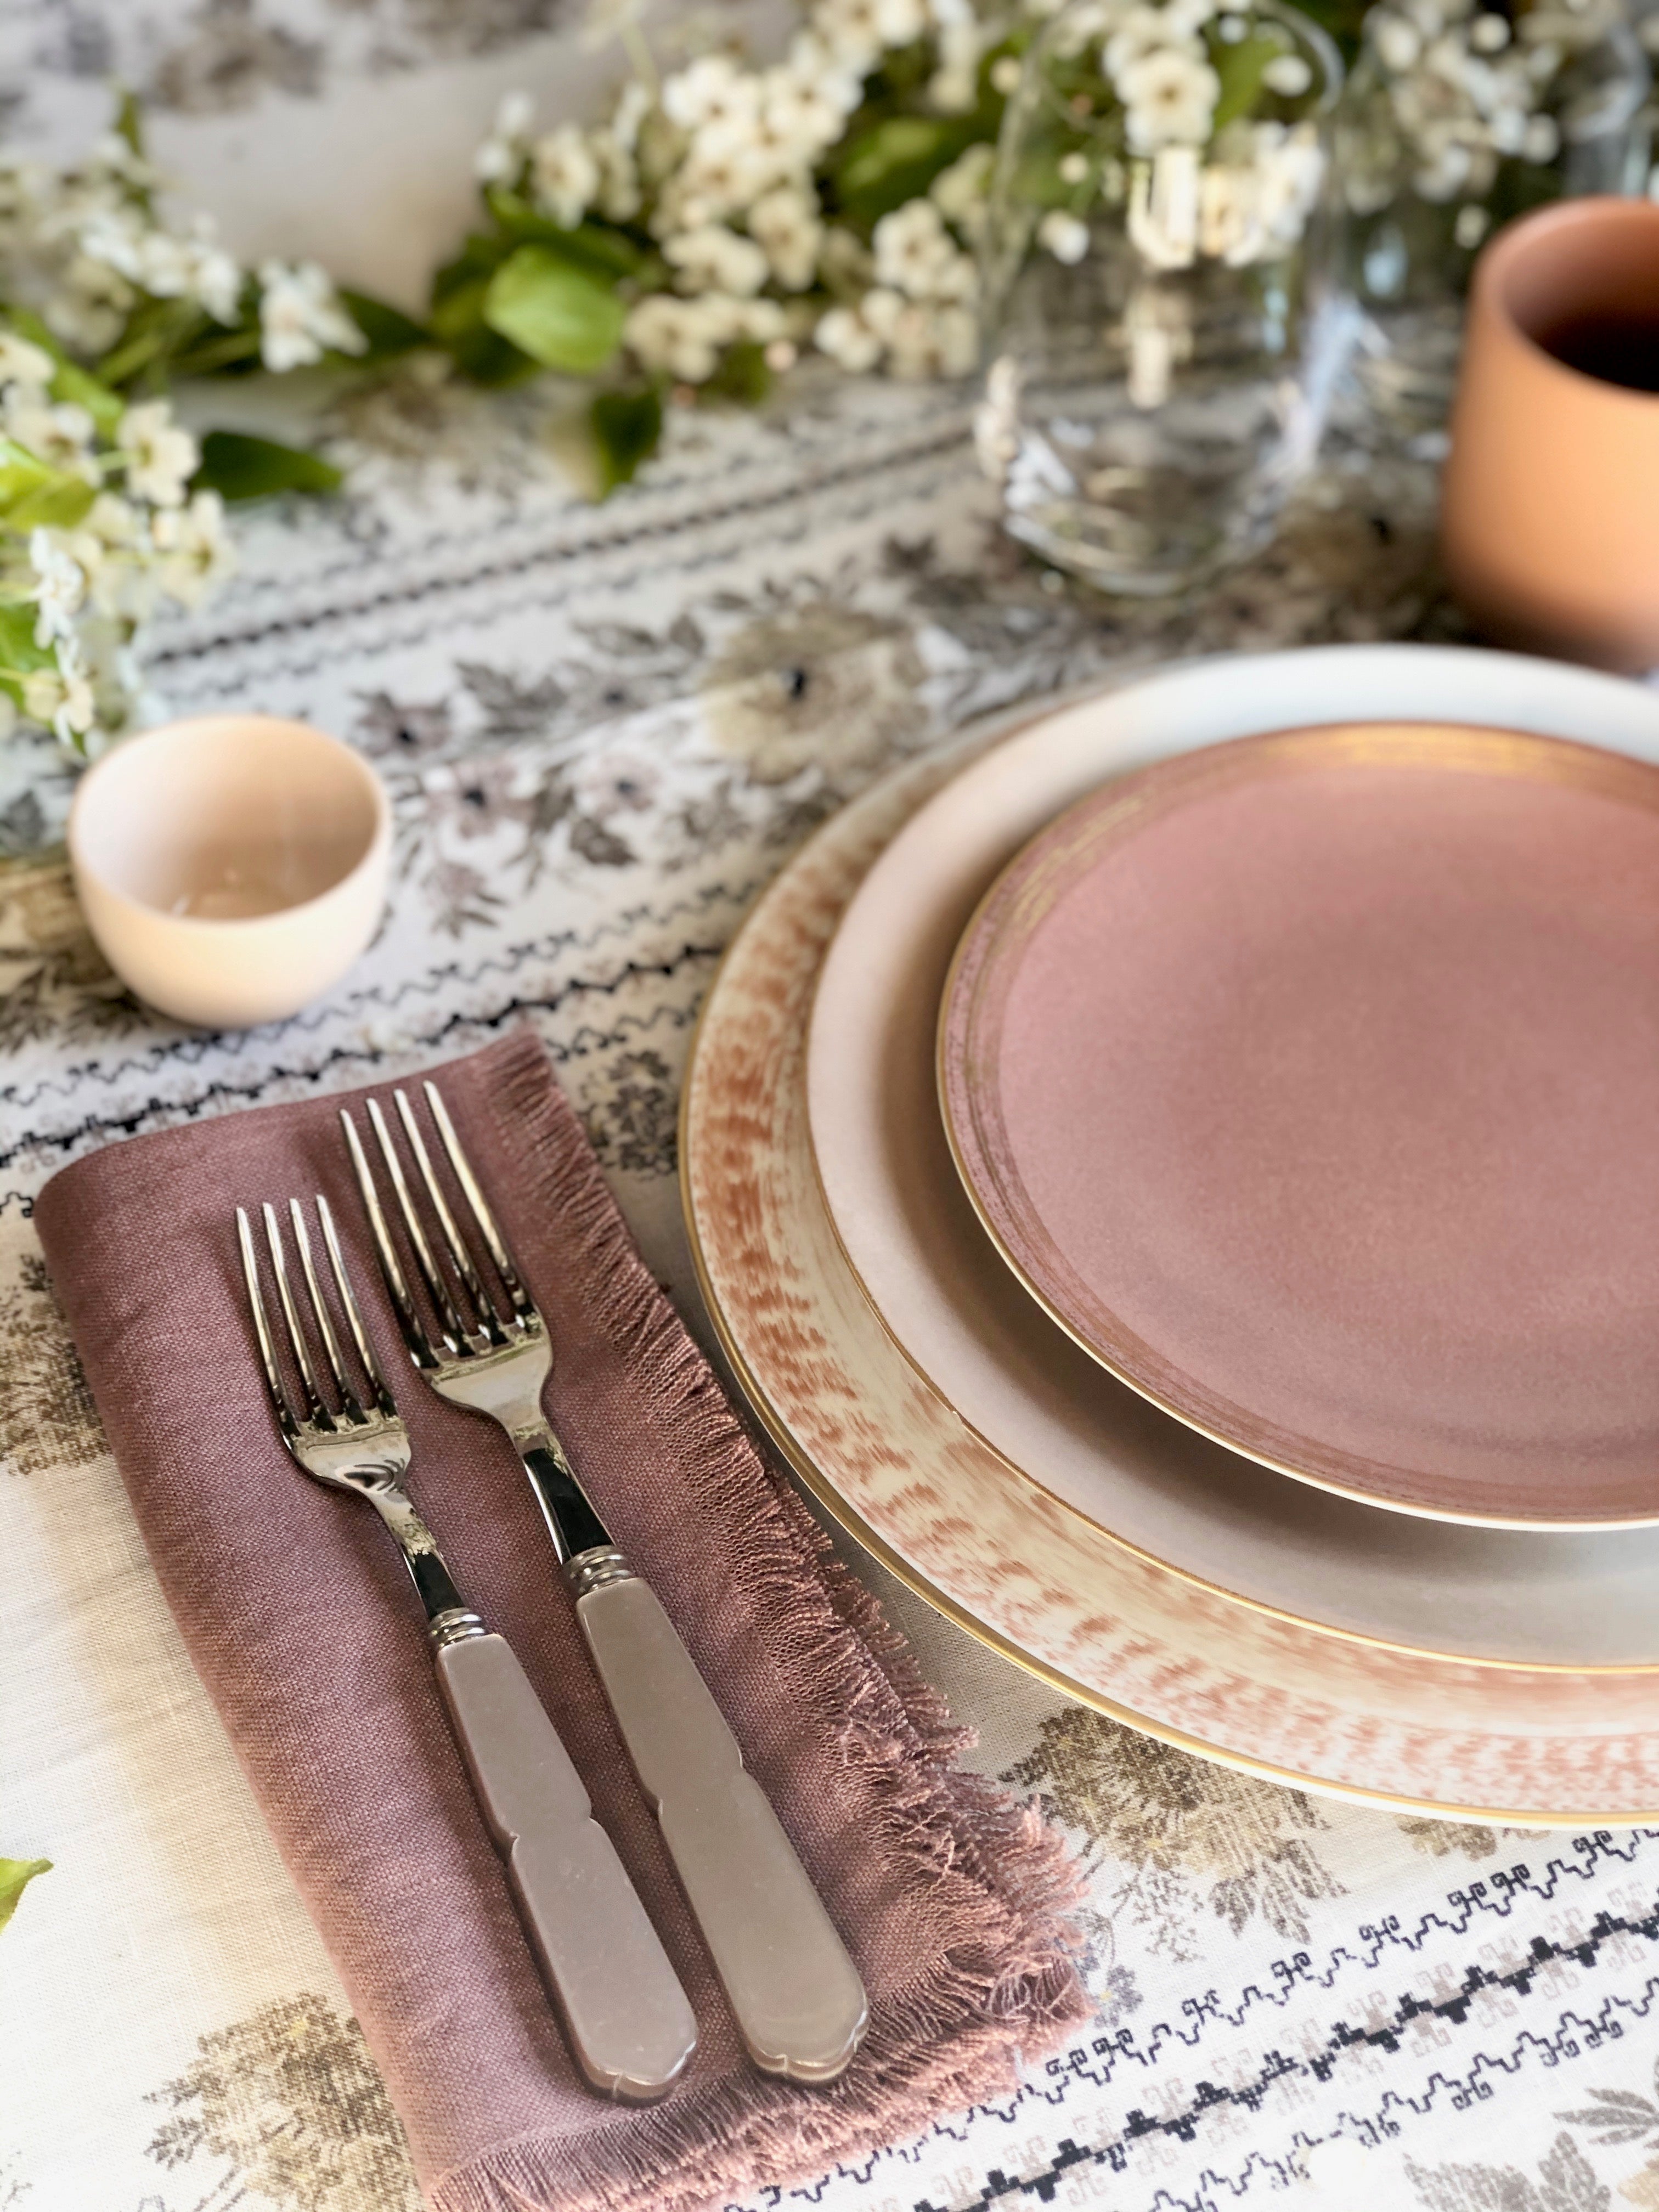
x=795 y=1990
x=625 y=2016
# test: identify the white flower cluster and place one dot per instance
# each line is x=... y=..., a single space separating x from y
x=918 y=319
x=143 y=537
x=719 y=165
x=84 y=246
x=1241 y=196
x=1465 y=90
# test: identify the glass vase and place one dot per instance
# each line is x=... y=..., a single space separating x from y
x=1455 y=119
x=1153 y=271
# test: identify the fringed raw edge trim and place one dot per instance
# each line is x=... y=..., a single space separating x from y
x=1007 y=1983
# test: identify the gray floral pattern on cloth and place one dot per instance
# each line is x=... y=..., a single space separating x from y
x=221 y=57
x=289 y=2105
x=604 y=729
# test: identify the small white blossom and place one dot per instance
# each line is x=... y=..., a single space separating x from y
x=24 y=363
x=1288 y=75
x=1064 y=236
x=1005 y=76
x=195 y=549
x=1471 y=227
x=926 y=341
x=1142 y=32
x=1489 y=34
x=1542 y=141
x=60 y=588
x=60 y=699
x=502 y=156
x=91 y=305
x=784 y=223
x=633 y=105
x=714 y=89
x=59 y=434
x=160 y=457
x=564 y=177
x=300 y=318
x=953 y=88
x=1170 y=100
x=682 y=338
x=847 y=338
x=915 y=254
x=110 y=543
x=714 y=259
x=801 y=113
x=1396 y=41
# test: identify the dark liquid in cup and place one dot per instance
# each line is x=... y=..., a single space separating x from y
x=1614 y=347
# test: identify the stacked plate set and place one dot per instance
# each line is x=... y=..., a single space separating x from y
x=1179 y=1182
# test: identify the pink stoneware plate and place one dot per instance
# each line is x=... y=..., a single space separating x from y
x=1010 y=1562
x=961 y=1316
x=1311 y=1081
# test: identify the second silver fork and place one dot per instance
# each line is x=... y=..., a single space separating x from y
x=794 y=1989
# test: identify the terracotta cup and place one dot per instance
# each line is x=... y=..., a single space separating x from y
x=1550 y=505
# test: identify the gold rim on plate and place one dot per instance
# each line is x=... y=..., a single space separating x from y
x=1089 y=828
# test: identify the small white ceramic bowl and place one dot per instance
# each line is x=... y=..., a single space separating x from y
x=231 y=867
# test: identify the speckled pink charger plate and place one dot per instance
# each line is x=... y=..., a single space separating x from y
x=1311 y=1081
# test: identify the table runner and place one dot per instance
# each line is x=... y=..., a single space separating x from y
x=604 y=730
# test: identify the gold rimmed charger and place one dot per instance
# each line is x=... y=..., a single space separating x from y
x=1013 y=1563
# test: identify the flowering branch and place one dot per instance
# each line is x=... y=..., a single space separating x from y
x=98 y=524
x=96 y=263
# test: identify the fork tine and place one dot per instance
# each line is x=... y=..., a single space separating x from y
x=488 y=1228
x=280 y=1406
x=484 y=1305
x=314 y=1407
x=449 y=1320
x=349 y=1306
x=422 y=1350
x=348 y=1398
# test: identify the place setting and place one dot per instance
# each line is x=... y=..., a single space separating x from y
x=829 y=979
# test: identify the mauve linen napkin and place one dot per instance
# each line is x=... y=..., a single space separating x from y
x=300 y=1619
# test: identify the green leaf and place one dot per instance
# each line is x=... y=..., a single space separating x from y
x=741 y=375
x=390 y=332
x=561 y=315
x=481 y=257
x=18 y=650
x=33 y=492
x=238 y=467
x=15 y=1875
x=458 y=324
x=56 y=506
x=592 y=245
x=627 y=429
x=20 y=472
x=1241 y=69
x=896 y=161
x=129 y=121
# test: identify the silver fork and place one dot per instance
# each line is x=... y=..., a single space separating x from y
x=793 y=1988
x=623 y=2012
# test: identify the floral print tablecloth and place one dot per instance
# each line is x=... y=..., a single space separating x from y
x=604 y=729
